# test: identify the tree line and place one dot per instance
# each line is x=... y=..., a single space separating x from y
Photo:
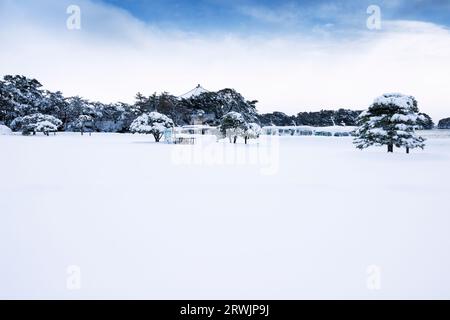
x=25 y=106
x=21 y=96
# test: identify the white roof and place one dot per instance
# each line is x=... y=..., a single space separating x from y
x=198 y=90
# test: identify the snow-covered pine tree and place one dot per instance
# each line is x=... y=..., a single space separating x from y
x=6 y=107
x=53 y=103
x=36 y=122
x=391 y=120
x=75 y=107
x=427 y=123
x=141 y=103
x=444 y=123
x=152 y=123
x=253 y=132
x=82 y=121
x=20 y=96
x=233 y=125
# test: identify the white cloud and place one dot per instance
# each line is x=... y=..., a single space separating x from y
x=115 y=55
x=286 y=15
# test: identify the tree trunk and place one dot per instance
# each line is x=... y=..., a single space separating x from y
x=407 y=150
x=390 y=148
x=157 y=137
x=235 y=139
x=246 y=138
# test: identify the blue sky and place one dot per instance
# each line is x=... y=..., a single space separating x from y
x=252 y=16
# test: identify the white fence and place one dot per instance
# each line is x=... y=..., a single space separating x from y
x=334 y=131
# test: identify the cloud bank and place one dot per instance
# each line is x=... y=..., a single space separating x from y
x=115 y=55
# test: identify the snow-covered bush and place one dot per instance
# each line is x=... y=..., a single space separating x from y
x=253 y=131
x=233 y=125
x=391 y=120
x=4 y=130
x=36 y=122
x=152 y=123
x=16 y=124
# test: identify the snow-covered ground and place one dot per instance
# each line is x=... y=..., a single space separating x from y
x=118 y=216
x=4 y=130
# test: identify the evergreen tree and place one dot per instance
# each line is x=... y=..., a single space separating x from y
x=53 y=103
x=129 y=114
x=233 y=125
x=6 y=107
x=253 y=132
x=277 y=119
x=425 y=121
x=20 y=96
x=73 y=108
x=140 y=103
x=214 y=105
x=166 y=104
x=392 y=121
x=152 y=123
x=82 y=121
x=36 y=122
x=444 y=123
x=146 y=104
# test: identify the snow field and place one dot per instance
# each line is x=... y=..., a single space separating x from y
x=145 y=220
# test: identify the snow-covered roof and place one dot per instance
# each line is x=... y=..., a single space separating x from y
x=198 y=90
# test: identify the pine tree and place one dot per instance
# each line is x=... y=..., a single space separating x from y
x=152 y=123
x=391 y=120
x=444 y=123
x=426 y=122
x=36 y=122
x=233 y=125
x=253 y=132
x=82 y=120
x=141 y=102
x=20 y=96
x=53 y=103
